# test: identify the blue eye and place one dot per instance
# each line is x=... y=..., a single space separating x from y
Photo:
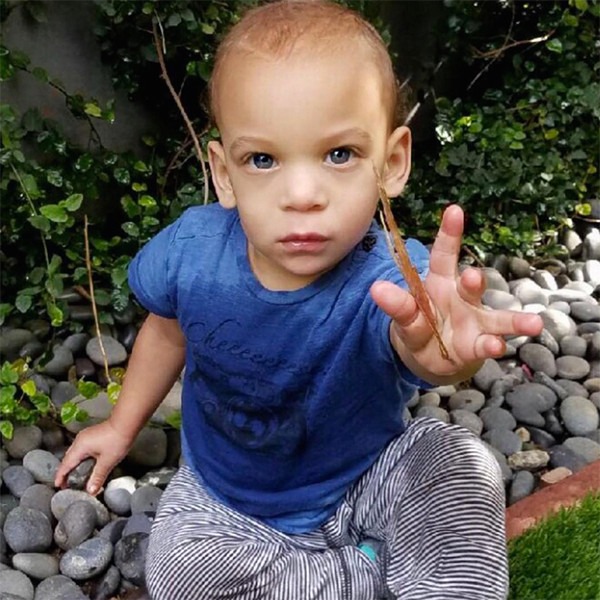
x=262 y=161
x=339 y=156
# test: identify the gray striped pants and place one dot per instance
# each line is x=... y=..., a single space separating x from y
x=434 y=497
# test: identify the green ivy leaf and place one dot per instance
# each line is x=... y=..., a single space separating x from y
x=54 y=213
x=122 y=175
x=68 y=412
x=23 y=303
x=147 y=201
x=54 y=178
x=41 y=402
x=113 y=390
x=92 y=109
x=554 y=45
x=88 y=389
x=7 y=429
x=31 y=186
x=131 y=229
x=174 y=419
x=40 y=222
x=73 y=202
x=551 y=134
x=8 y=374
x=5 y=310
x=581 y=5
x=29 y=387
x=118 y=276
x=55 y=313
x=40 y=74
x=7 y=399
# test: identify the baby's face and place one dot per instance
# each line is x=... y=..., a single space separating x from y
x=300 y=138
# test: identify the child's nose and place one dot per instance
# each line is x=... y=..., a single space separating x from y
x=303 y=190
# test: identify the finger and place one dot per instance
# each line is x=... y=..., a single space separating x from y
x=71 y=459
x=98 y=476
x=471 y=286
x=489 y=346
x=506 y=322
x=446 y=248
x=395 y=302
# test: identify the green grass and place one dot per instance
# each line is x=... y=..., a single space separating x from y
x=559 y=559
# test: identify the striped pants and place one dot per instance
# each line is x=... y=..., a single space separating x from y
x=434 y=497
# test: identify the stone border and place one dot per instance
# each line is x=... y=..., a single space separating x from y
x=528 y=512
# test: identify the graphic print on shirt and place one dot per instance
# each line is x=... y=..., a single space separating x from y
x=238 y=396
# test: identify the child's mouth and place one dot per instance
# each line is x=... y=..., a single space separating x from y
x=304 y=242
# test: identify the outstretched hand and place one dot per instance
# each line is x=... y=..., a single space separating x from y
x=470 y=332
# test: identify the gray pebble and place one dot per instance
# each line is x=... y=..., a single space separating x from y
x=561 y=456
x=36 y=564
x=158 y=477
x=527 y=415
x=572 y=367
x=522 y=485
x=497 y=418
x=27 y=530
x=145 y=499
x=469 y=399
x=494 y=280
x=546 y=339
x=467 y=419
x=42 y=464
x=558 y=324
x=149 y=448
x=64 y=498
x=130 y=557
x=62 y=392
x=11 y=341
x=113 y=531
x=584 y=447
x=38 y=496
x=109 y=584
x=79 y=476
x=538 y=358
x=504 y=440
x=114 y=350
x=541 y=438
x=59 y=587
x=25 y=438
x=138 y=523
x=533 y=395
x=573 y=345
x=53 y=438
x=573 y=388
x=579 y=415
x=76 y=525
x=62 y=360
x=16 y=584
x=585 y=311
x=76 y=342
x=430 y=399
x=17 y=479
x=434 y=412
x=87 y=560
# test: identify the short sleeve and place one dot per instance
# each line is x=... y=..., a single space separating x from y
x=153 y=274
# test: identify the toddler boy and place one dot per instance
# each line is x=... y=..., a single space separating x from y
x=301 y=480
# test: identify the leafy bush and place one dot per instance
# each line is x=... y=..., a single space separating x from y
x=519 y=149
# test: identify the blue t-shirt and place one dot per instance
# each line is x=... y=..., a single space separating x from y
x=288 y=396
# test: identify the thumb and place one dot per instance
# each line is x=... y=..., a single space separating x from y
x=395 y=302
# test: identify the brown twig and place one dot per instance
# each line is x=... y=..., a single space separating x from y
x=498 y=51
x=88 y=265
x=474 y=256
x=165 y=75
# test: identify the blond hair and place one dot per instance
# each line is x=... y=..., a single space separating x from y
x=277 y=29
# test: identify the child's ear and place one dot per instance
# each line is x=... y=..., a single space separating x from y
x=220 y=176
x=397 y=166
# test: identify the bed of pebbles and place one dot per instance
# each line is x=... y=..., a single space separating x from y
x=537 y=409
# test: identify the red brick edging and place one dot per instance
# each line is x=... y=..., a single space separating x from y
x=527 y=512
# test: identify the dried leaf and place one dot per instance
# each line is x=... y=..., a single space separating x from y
x=402 y=260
